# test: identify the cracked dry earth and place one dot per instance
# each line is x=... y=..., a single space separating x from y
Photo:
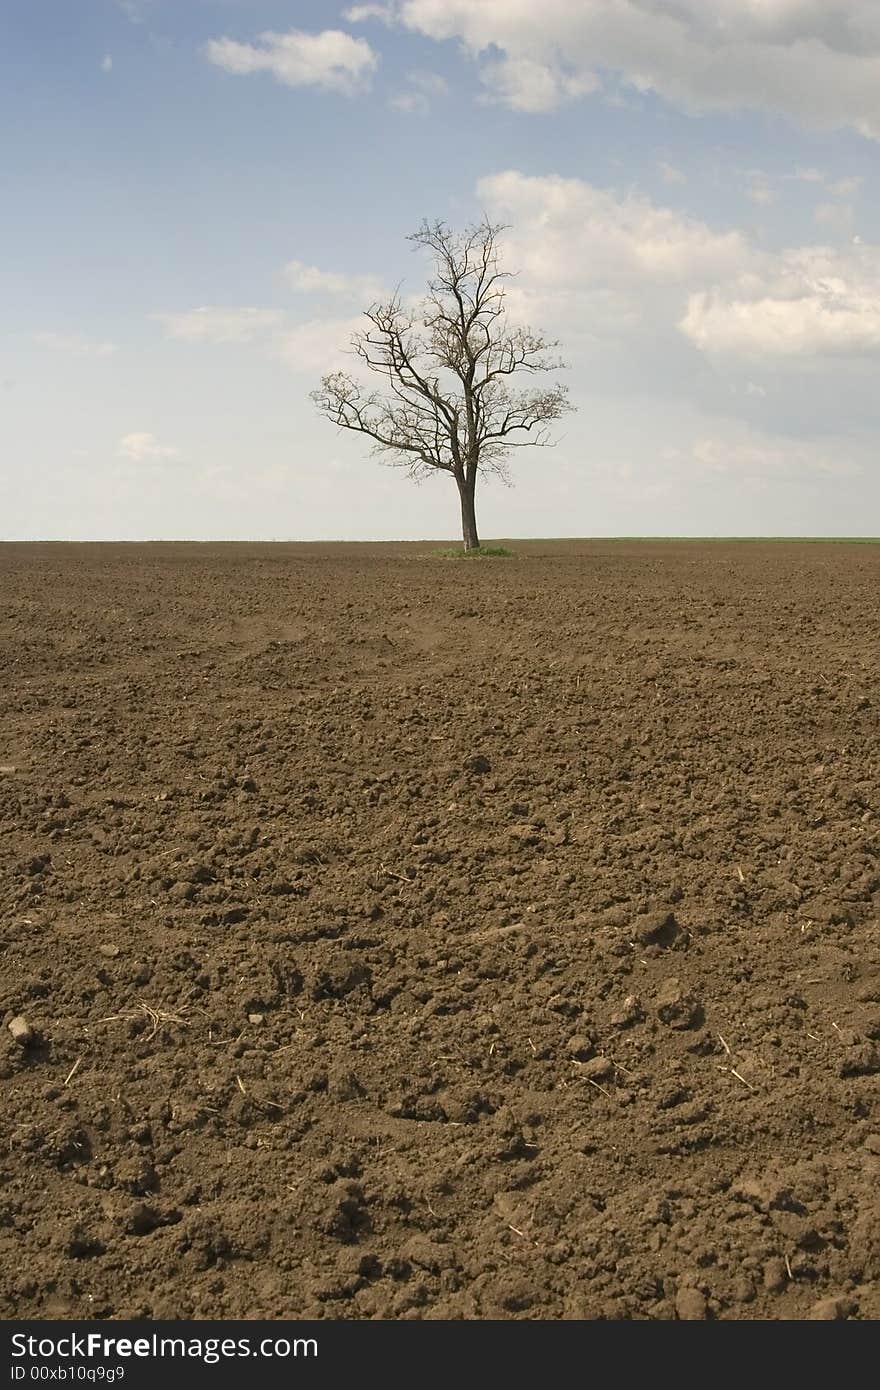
x=392 y=937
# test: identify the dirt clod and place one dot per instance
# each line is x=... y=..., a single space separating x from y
x=598 y=1069
x=690 y=1305
x=676 y=1007
x=21 y=1031
x=832 y=1309
x=656 y=929
x=776 y=1276
x=580 y=1046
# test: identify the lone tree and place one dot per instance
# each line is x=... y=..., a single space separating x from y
x=452 y=402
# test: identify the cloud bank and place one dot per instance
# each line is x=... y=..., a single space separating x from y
x=816 y=62
x=331 y=59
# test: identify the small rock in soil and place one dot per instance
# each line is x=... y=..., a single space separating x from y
x=656 y=929
x=861 y=1060
x=832 y=1309
x=478 y=765
x=743 y=1289
x=21 y=1031
x=630 y=1013
x=675 y=1007
x=344 y=1085
x=690 y=1305
x=142 y=1220
x=598 y=1069
x=580 y=1047
x=425 y=1253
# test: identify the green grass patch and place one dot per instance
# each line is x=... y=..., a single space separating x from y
x=482 y=552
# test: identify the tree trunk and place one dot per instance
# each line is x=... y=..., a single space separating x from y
x=466 y=489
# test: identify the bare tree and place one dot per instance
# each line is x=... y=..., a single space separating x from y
x=450 y=402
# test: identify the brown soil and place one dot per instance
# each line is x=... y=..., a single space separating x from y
x=408 y=938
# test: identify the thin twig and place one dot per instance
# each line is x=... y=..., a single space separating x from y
x=73 y=1069
x=591 y=1082
x=389 y=873
x=157 y=1017
x=733 y=1072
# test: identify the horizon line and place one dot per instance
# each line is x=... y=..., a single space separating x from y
x=425 y=540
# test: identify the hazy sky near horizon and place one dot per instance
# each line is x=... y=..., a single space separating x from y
x=200 y=196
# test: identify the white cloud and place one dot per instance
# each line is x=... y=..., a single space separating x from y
x=213 y=325
x=526 y=84
x=410 y=101
x=815 y=61
x=608 y=273
x=358 y=14
x=331 y=59
x=107 y=62
x=141 y=447
x=74 y=344
x=616 y=265
x=319 y=345
x=422 y=89
x=807 y=302
x=569 y=233
x=309 y=279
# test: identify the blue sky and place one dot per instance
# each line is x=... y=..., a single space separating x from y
x=199 y=196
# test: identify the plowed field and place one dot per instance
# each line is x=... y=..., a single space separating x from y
x=391 y=936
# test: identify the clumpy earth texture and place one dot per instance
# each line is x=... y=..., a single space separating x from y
x=391 y=936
